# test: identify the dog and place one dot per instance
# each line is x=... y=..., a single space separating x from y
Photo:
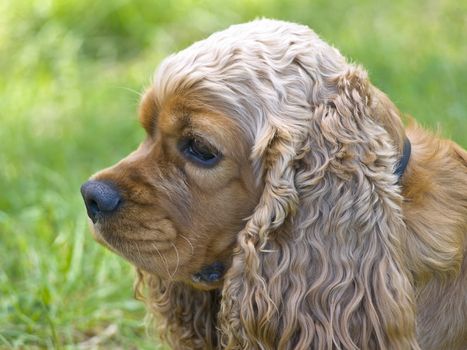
x=277 y=202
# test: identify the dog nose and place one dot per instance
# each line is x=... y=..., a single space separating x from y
x=101 y=198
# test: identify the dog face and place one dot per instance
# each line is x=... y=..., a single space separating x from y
x=175 y=205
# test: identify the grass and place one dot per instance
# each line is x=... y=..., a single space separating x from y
x=71 y=74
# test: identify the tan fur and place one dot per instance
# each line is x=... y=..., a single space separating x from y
x=324 y=248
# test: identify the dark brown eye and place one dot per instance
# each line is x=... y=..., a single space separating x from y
x=200 y=152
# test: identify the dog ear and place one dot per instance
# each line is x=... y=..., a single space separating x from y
x=188 y=315
x=320 y=263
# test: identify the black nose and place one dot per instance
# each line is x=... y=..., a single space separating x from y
x=101 y=198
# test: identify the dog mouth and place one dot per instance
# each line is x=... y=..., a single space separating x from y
x=161 y=256
x=153 y=255
x=144 y=249
x=144 y=242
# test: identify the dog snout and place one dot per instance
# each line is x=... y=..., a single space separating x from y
x=101 y=199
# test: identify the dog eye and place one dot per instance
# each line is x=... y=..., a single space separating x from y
x=200 y=152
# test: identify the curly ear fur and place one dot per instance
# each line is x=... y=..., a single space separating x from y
x=332 y=275
x=187 y=316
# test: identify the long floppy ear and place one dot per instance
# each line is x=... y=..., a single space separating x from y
x=187 y=316
x=320 y=263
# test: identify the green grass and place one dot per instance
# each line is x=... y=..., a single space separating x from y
x=71 y=74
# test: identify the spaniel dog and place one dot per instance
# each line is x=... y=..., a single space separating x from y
x=277 y=202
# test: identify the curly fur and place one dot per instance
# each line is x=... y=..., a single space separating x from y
x=336 y=253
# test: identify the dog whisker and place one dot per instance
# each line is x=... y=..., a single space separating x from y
x=138 y=93
x=163 y=259
x=139 y=252
x=189 y=242
x=178 y=260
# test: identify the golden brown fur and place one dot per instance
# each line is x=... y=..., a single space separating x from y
x=323 y=247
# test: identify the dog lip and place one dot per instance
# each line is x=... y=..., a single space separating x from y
x=106 y=234
x=112 y=239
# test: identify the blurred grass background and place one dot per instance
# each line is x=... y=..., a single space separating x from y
x=70 y=77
